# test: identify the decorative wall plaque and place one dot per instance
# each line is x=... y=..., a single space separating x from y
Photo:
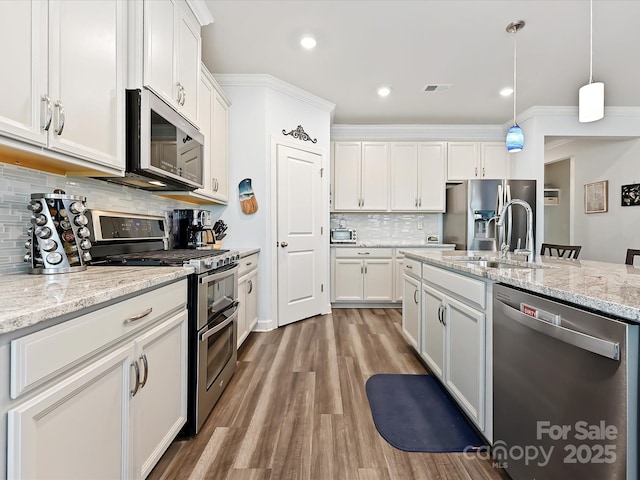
x=300 y=133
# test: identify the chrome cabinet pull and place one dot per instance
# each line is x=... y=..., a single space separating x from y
x=410 y=267
x=61 y=117
x=444 y=312
x=483 y=171
x=49 y=114
x=415 y=296
x=250 y=287
x=249 y=263
x=184 y=96
x=137 y=387
x=420 y=201
x=139 y=315
x=143 y=357
x=365 y=269
x=284 y=244
x=364 y=253
x=179 y=99
x=476 y=172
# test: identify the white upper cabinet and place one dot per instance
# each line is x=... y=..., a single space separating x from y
x=361 y=176
x=418 y=176
x=66 y=89
x=172 y=46
x=213 y=120
x=477 y=160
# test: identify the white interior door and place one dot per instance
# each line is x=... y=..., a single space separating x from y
x=301 y=252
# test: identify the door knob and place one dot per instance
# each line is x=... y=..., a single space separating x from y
x=284 y=244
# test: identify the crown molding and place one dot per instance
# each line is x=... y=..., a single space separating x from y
x=201 y=11
x=269 y=81
x=417 y=132
x=570 y=111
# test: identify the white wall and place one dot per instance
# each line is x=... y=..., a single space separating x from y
x=261 y=107
x=557 y=227
x=604 y=236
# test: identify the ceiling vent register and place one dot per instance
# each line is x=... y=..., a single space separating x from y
x=437 y=88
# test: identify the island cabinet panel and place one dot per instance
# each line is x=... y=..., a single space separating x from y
x=433 y=337
x=411 y=304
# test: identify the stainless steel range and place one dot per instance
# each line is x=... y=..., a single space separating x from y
x=122 y=239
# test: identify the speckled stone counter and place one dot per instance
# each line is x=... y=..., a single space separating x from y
x=397 y=244
x=605 y=287
x=245 y=252
x=30 y=299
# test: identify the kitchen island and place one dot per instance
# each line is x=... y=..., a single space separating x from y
x=608 y=288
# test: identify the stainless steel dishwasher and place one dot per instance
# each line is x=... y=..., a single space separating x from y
x=565 y=399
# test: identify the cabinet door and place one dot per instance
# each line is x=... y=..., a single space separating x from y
x=23 y=33
x=161 y=401
x=463 y=160
x=188 y=60
x=375 y=176
x=220 y=148
x=432 y=159
x=495 y=160
x=242 y=308
x=252 y=301
x=159 y=38
x=404 y=173
x=378 y=280
x=346 y=175
x=432 y=345
x=465 y=372
x=348 y=279
x=87 y=61
x=205 y=122
x=411 y=310
x=77 y=429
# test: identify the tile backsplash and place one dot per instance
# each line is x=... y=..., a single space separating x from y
x=380 y=227
x=18 y=183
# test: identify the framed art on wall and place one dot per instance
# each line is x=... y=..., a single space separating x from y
x=630 y=195
x=596 y=196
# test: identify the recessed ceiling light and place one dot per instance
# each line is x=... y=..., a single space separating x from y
x=308 y=42
x=384 y=91
x=505 y=92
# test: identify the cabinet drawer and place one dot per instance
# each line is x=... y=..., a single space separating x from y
x=247 y=264
x=412 y=267
x=466 y=288
x=43 y=354
x=364 y=253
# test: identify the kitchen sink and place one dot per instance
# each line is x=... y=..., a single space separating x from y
x=497 y=264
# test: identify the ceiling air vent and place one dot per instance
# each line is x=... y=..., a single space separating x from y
x=437 y=88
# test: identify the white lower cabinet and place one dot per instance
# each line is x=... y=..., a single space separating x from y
x=112 y=412
x=362 y=275
x=247 y=296
x=453 y=334
x=77 y=429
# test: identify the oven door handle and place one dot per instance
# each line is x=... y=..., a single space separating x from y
x=233 y=304
x=219 y=327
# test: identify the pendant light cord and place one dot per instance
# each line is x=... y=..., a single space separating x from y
x=591 y=42
x=515 y=63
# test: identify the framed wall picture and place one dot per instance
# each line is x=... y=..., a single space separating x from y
x=630 y=196
x=596 y=196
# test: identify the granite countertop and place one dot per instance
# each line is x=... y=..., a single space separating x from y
x=605 y=287
x=394 y=244
x=245 y=252
x=31 y=299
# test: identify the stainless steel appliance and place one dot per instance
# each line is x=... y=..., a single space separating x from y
x=343 y=235
x=139 y=240
x=164 y=151
x=565 y=390
x=472 y=210
x=193 y=228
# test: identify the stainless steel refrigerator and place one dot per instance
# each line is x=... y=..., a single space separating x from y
x=472 y=210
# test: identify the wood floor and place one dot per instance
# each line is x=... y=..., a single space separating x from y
x=296 y=409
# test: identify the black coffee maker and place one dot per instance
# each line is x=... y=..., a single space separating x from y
x=193 y=228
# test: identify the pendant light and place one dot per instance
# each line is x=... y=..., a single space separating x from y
x=591 y=96
x=515 y=135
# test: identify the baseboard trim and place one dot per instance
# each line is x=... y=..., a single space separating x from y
x=366 y=305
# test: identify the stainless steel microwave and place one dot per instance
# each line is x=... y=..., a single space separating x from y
x=163 y=150
x=343 y=235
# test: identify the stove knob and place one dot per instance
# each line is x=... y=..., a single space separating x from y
x=208 y=263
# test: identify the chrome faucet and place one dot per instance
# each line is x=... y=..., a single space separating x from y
x=529 y=247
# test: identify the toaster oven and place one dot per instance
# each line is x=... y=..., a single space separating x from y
x=343 y=235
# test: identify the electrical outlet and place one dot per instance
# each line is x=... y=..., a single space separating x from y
x=420 y=225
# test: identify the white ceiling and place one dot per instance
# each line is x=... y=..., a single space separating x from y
x=409 y=44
